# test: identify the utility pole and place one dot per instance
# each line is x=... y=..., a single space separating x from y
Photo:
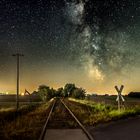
x=18 y=55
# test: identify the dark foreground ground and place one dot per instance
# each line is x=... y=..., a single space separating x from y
x=119 y=130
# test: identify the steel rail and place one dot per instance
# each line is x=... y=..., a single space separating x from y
x=47 y=120
x=72 y=114
x=80 y=124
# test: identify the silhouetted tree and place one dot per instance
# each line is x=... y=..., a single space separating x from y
x=53 y=92
x=44 y=92
x=68 y=89
x=134 y=94
x=59 y=92
x=78 y=93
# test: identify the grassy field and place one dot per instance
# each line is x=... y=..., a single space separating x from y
x=111 y=100
x=6 y=106
x=26 y=124
x=91 y=113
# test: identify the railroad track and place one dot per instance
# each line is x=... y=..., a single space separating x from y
x=62 y=121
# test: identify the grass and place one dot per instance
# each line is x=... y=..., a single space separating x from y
x=91 y=113
x=9 y=114
x=96 y=106
x=26 y=124
x=8 y=106
x=115 y=114
x=111 y=100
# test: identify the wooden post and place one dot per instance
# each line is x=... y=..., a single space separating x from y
x=18 y=55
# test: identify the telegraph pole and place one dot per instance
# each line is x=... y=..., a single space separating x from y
x=18 y=55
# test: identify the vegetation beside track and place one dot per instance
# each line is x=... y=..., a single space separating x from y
x=9 y=114
x=26 y=124
x=91 y=113
x=130 y=102
x=6 y=106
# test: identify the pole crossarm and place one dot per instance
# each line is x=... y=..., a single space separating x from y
x=18 y=54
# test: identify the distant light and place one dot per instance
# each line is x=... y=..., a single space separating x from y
x=22 y=94
x=7 y=93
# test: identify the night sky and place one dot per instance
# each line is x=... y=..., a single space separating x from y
x=94 y=44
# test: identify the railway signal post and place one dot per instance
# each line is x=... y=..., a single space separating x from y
x=119 y=97
x=18 y=55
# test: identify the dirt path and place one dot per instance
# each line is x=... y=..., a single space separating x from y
x=120 y=130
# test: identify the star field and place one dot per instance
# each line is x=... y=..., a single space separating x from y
x=70 y=40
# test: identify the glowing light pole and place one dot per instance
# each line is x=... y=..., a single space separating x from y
x=18 y=55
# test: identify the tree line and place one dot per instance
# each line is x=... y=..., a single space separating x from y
x=69 y=90
x=134 y=94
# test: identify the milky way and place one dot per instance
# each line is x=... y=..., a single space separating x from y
x=68 y=39
x=105 y=34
